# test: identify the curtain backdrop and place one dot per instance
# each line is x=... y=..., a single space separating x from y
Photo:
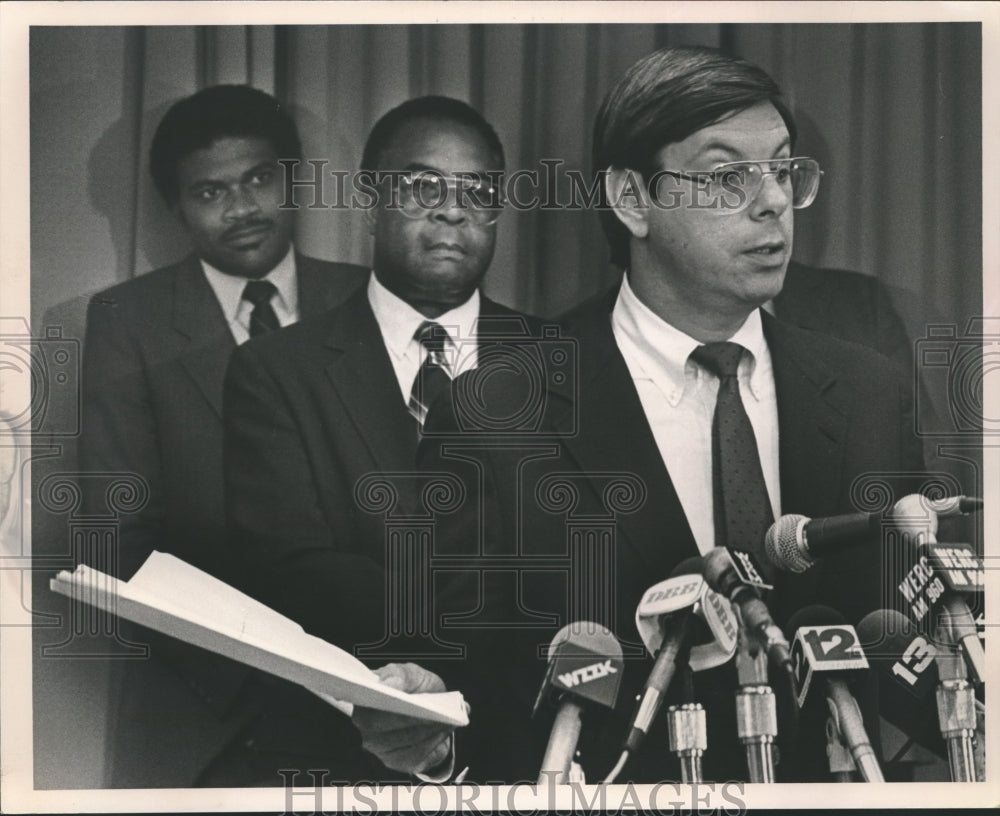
x=892 y=112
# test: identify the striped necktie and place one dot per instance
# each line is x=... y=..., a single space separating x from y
x=433 y=376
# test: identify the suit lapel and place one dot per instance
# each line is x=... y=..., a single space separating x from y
x=197 y=317
x=366 y=384
x=810 y=441
x=363 y=378
x=614 y=435
x=208 y=342
x=811 y=429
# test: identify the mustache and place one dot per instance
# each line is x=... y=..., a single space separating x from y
x=243 y=226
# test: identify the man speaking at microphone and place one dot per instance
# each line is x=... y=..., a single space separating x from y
x=726 y=416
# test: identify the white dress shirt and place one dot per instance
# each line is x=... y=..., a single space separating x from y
x=678 y=397
x=229 y=292
x=398 y=321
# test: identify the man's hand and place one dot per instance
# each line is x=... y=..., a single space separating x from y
x=405 y=743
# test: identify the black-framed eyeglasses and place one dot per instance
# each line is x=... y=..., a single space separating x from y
x=479 y=198
x=730 y=187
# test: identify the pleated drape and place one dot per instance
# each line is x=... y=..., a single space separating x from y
x=891 y=111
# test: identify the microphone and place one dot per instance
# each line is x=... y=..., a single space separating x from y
x=794 y=542
x=664 y=614
x=918 y=515
x=940 y=577
x=585 y=669
x=662 y=619
x=918 y=671
x=944 y=573
x=956 y=704
x=722 y=575
x=826 y=649
x=956 y=505
x=957 y=568
x=905 y=664
x=711 y=645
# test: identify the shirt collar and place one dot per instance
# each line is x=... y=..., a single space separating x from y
x=663 y=348
x=658 y=345
x=229 y=288
x=751 y=336
x=398 y=320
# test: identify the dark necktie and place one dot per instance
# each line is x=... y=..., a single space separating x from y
x=262 y=318
x=742 y=509
x=432 y=377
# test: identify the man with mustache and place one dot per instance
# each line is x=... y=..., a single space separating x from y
x=311 y=411
x=156 y=351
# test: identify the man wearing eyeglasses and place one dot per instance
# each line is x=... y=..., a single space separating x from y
x=312 y=411
x=721 y=417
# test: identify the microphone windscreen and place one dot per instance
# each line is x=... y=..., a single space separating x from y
x=781 y=543
x=907 y=674
x=895 y=646
x=586 y=663
x=587 y=636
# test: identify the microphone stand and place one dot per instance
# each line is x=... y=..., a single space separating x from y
x=688 y=736
x=956 y=706
x=842 y=764
x=955 y=711
x=847 y=722
x=756 y=710
x=557 y=762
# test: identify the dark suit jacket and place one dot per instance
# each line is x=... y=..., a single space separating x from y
x=849 y=305
x=155 y=356
x=309 y=412
x=842 y=414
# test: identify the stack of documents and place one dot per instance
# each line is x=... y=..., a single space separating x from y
x=170 y=596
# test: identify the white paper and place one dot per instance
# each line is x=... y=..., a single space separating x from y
x=172 y=597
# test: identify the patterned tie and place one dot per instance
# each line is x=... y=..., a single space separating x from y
x=262 y=318
x=432 y=377
x=742 y=508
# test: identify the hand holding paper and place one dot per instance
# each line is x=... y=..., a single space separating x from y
x=404 y=743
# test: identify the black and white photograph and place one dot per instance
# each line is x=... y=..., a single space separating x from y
x=462 y=407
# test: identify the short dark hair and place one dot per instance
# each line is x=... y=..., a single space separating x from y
x=664 y=98
x=218 y=112
x=427 y=107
